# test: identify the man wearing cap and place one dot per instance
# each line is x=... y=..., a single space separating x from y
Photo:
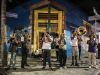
x=24 y=41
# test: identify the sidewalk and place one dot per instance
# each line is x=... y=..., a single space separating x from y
x=35 y=67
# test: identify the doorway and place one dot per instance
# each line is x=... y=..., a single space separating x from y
x=41 y=21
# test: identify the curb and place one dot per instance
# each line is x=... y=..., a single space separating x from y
x=96 y=72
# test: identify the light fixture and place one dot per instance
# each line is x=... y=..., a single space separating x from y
x=94 y=10
x=10 y=0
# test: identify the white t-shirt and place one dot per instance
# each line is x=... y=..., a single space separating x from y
x=75 y=41
x=56 y=40
x=47 y=44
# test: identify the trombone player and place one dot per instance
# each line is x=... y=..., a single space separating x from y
x=12 y=51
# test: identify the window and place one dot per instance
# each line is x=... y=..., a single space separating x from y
x=46 y=25
x=20 y=31
x=53 y=16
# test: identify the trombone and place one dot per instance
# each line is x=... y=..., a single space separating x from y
x=13 y=35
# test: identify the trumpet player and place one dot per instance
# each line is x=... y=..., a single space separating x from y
x=12 y=52
x=74 y=39
x=24 y=41
x=47 y=40
x=62 y=51
x=92 y=51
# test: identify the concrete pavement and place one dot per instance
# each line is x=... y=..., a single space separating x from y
x=35 y=67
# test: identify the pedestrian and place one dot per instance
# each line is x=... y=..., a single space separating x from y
x=24 y=41
x=98 y=46
x=57 y=46
x=12 y=51
x=62 y=51
x=92 y=51
x=47 y=40
x=74 y=39
x=42 y=44
x=79 y=45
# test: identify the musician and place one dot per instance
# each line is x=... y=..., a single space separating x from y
x=47 y=40
x=42 y=44
x=92 y=51
x=12 y=52
x=24 y=49
x=62 y=51
x=79 y=45
x=74 y=39
x=57 y=46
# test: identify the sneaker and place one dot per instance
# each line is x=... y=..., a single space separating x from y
x=89 y=66
x=60 y=68
x=7 y=69
x=72 y=64
x=64 y=67
x=22 y=66
x=76 y=64
x=95 y=67
x=14 y=68
x=43 y=68
x=27 y=65
x=51 y=69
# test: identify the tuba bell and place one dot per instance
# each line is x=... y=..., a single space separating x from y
x=81 y=30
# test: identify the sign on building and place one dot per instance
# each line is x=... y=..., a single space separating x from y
x=91 y=18
x=10 y=14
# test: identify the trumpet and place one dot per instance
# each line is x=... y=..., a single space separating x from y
x=93 y=36
x=29 y=37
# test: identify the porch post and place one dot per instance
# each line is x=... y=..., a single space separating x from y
x=3 y=34
x=49 y=18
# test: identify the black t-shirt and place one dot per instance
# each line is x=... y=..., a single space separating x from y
x=13 y=45
x=25 y=45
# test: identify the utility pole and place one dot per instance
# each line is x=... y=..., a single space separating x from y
x=49 y=18
x=3 y=34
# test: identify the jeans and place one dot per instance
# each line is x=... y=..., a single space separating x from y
x=57 y=54
x=10 y=55
x=62 y=56
x=79 y=47
x=46 y=53
x=24 y=56
x=93 y=58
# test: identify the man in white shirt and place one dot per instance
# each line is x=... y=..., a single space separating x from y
x=74 y=39
x=47 y=40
